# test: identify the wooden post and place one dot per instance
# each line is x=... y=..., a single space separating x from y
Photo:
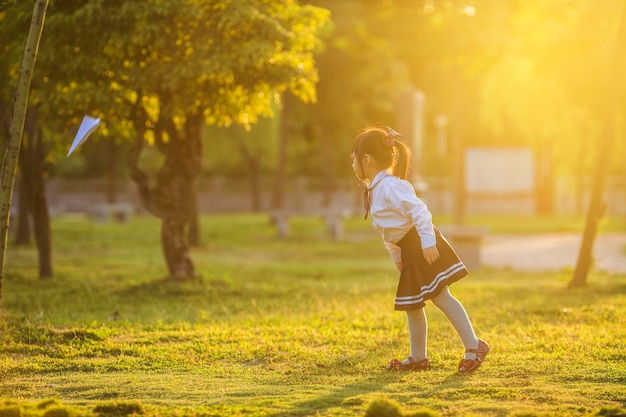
x=597 y=205
x=16 y=129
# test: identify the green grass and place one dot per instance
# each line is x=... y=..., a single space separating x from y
x=294 y=327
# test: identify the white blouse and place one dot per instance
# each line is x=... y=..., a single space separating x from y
x=395 y=208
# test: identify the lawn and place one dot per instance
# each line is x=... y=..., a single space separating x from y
x=295 y=327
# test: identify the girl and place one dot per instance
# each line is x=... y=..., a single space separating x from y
x=427 y=263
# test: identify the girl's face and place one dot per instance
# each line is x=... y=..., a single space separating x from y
x=365 y=169
x=357 y=168
x=355 y=165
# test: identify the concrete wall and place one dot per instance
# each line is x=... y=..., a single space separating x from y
x=220 y=195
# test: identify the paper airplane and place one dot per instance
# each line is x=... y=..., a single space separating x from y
x=87 y=126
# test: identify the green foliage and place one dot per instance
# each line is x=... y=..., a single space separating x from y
x=56 y=412
x=610 y=411
x=54 y=408
x=383 y=408
x=390 y=408
x=228 y=60
x=423 y=413
x=10 y=408
x=225 y=149
x=44 y=408
x=119 y=409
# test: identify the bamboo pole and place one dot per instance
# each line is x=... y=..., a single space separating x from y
x=20 y=104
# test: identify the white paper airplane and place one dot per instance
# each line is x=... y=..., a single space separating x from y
x=87 y=126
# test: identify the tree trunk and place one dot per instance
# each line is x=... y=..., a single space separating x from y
x=111 y=188
x=41 y=223
x=33 y=157
x=9 y=165
x=23 y=229
x=174 y=199
x=193 y=231
x=170 y=199
x=175 y=248
x=580 y=174
x=328 y=180
x=41 y=217
x=278 y=201
x=597 y=205
x=255 y=183
x=254 y=171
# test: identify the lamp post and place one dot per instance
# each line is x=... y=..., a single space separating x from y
x=411 y=124
x=441 y=125
x=419 y=100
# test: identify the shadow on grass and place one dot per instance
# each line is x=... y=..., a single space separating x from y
x=350 y=395
x=359 y=394
x=167 y=290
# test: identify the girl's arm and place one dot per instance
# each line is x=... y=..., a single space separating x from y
x=416 y=210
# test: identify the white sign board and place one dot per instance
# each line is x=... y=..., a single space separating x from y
x=499 y=170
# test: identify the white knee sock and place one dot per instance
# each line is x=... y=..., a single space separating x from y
x=456 y=314
x=418 y=333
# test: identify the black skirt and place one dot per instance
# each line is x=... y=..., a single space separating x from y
x=418 y=280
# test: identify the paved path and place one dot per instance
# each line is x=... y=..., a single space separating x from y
x=552 y=251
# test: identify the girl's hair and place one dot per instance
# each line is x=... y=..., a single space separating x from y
x=380 y=144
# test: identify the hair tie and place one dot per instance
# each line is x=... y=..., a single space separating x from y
x=389 y=139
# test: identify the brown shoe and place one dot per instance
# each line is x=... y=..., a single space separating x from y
x=397 y=365
x=469 y=365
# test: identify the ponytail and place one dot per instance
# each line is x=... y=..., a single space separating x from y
x=401 y=167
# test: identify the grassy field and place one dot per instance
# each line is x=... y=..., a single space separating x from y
x=294 y=327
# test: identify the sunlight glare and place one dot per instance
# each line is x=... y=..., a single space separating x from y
x=469 y=10
x=429 y=7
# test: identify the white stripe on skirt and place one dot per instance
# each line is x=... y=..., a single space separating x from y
x=427 y=289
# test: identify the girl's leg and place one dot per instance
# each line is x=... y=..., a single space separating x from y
x=418 y=333
x=456 y=314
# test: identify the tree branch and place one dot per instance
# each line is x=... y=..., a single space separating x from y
x=138 y=176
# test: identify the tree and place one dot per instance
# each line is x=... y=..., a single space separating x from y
x=168 y=67
x=597 y=206
x=36 y=145
x=32 y=166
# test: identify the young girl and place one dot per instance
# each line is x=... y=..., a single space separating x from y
x=427 y=263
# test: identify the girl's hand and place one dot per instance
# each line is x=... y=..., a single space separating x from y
x=431 y=254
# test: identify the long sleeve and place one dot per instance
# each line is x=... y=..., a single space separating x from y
x=415 y=209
